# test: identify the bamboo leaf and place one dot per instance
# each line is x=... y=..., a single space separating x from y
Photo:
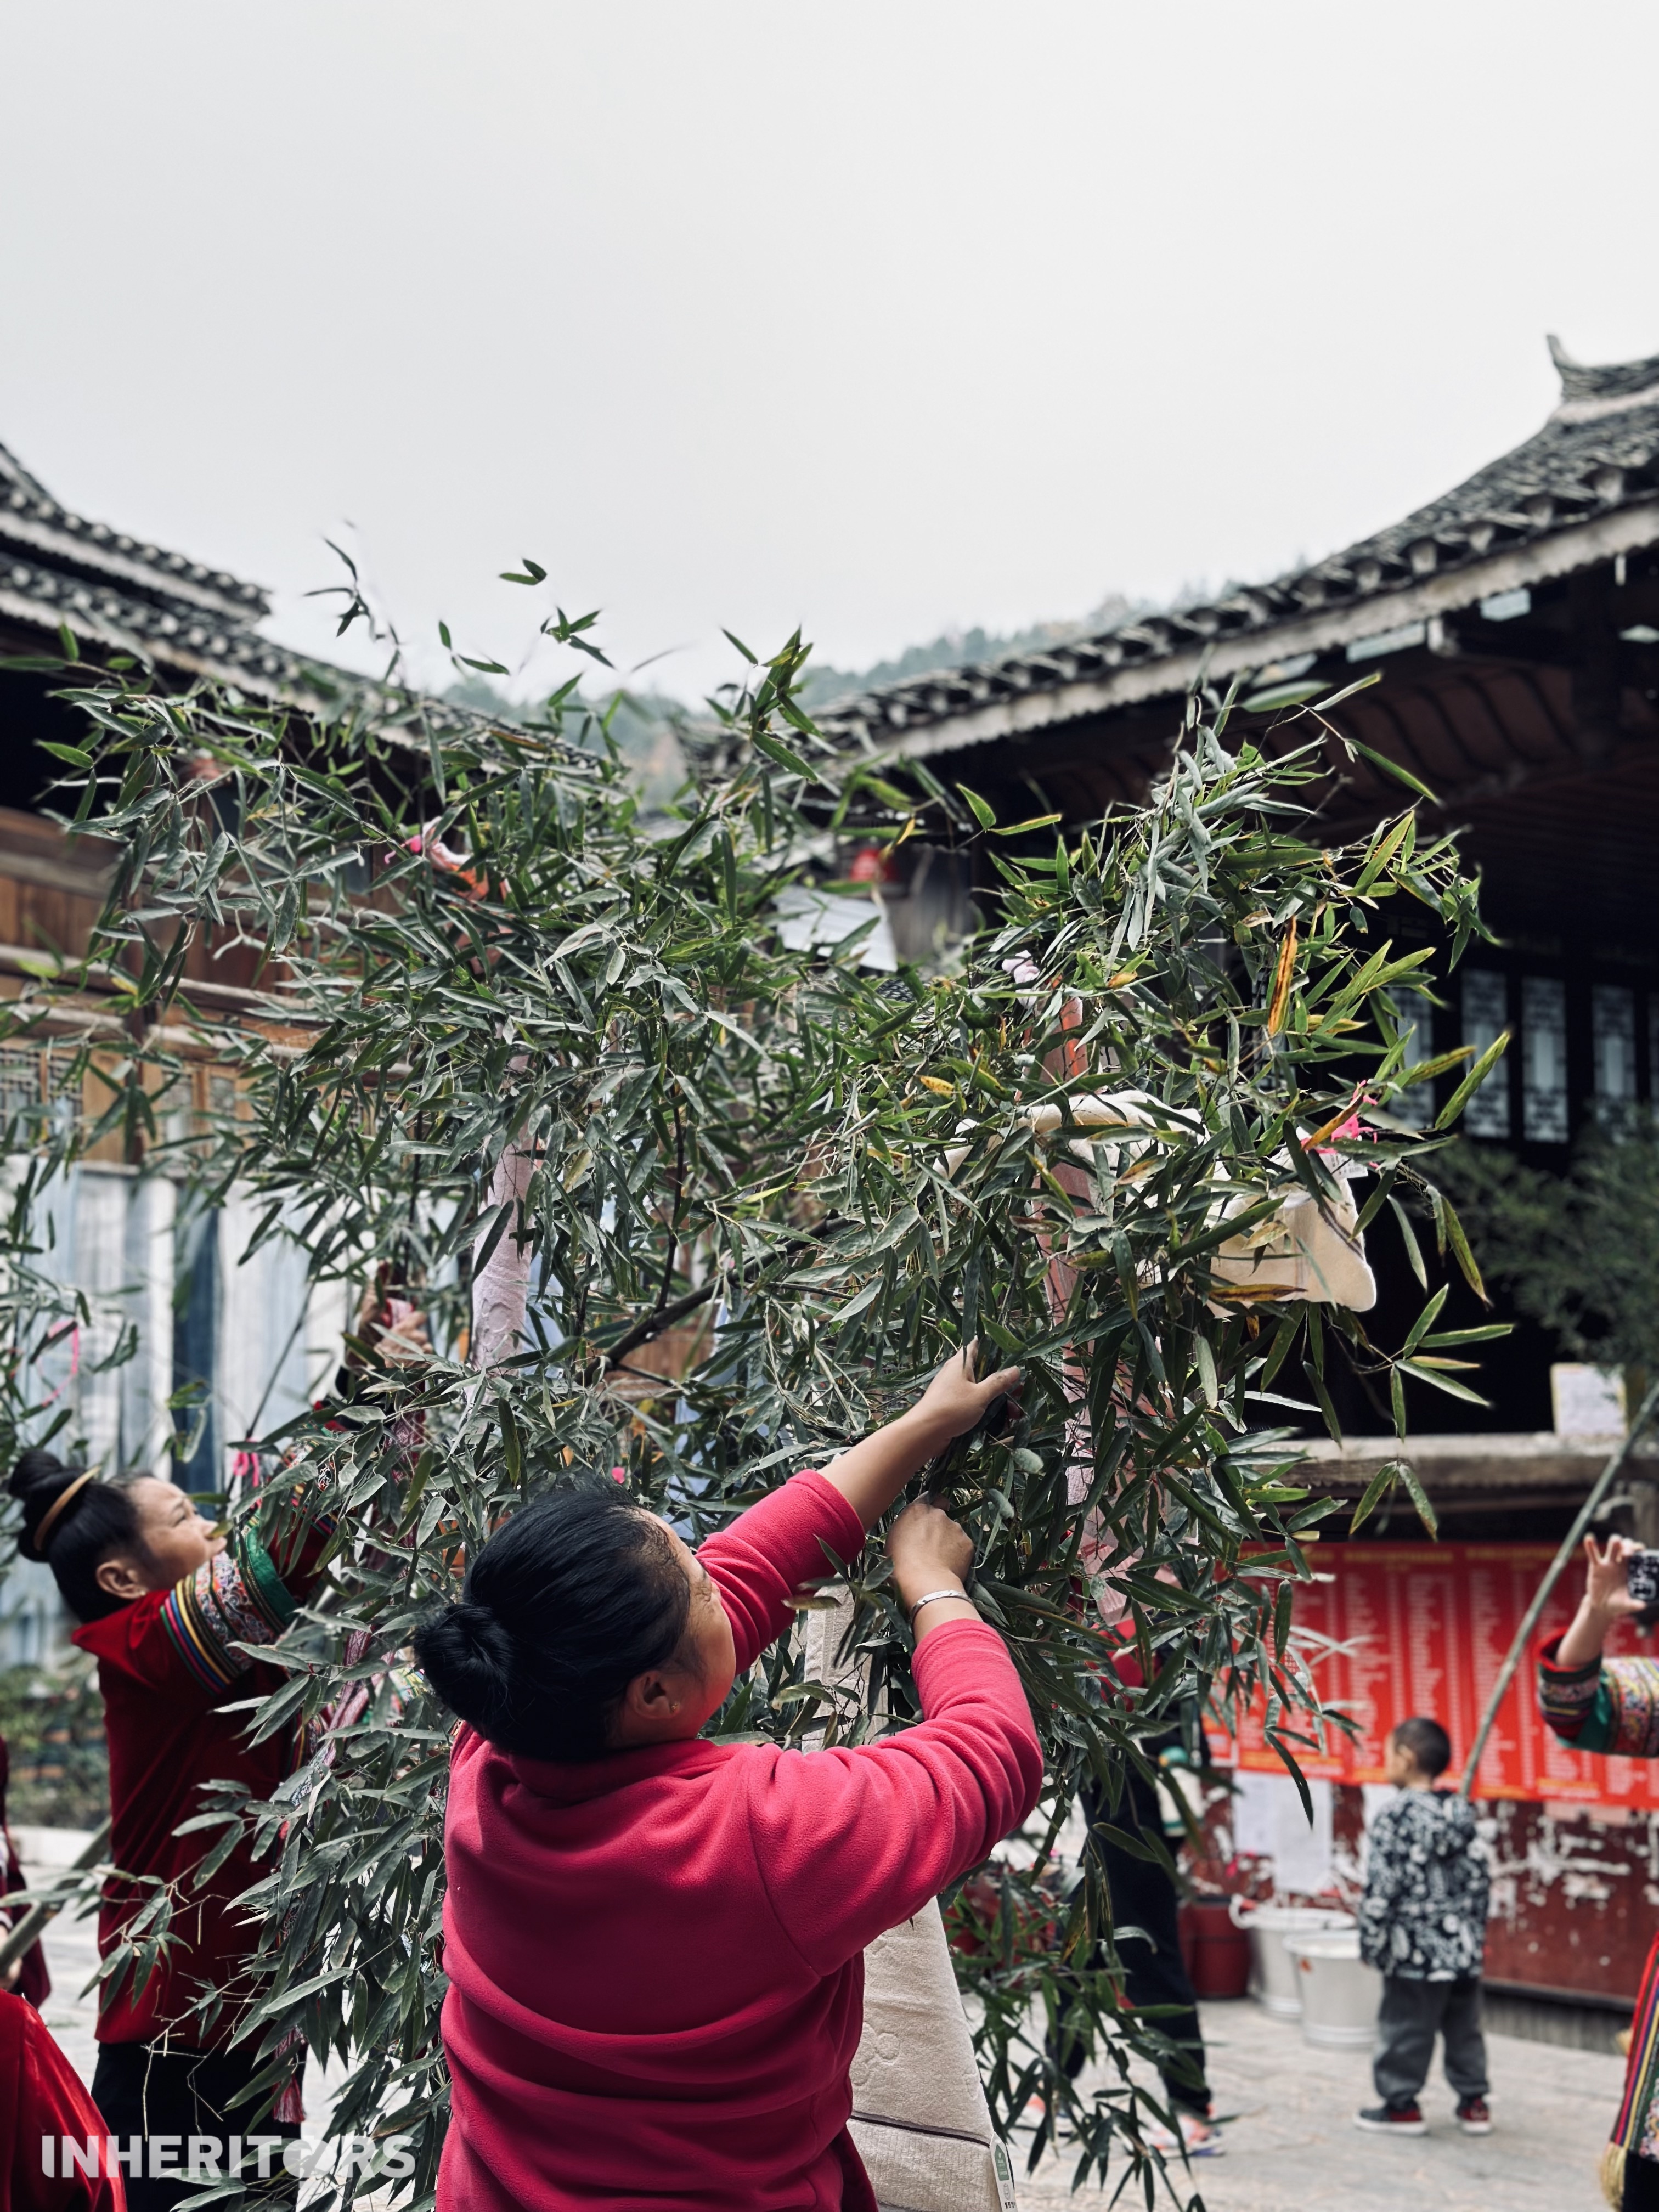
x=1284 y=974
x=1419 y=1497
x=781 y=756
x=512 y=1443
x=1408 y=1238
x=1392 y=767
x=1471 y=1082
x=1426 y=1321
x=1381 y=1483
x=1340 y=698
x=1389 y=841
x=1461 y=1252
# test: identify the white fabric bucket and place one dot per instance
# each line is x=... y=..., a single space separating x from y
x=1340 y=1993
x=1274 y=1981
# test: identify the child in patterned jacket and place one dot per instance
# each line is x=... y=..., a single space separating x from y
x=1423 y=1925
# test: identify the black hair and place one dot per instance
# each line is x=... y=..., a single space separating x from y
x=1427 y=1743
x=97 y=1522
x=568 y=1601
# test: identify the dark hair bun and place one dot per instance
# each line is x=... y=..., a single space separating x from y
x=38 y=1481
x=97 y=1523
x=467 y=1655
x=572 y=1597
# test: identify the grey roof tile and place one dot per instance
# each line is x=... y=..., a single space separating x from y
x=1599 y=450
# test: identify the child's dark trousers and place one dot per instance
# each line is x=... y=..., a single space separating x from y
x=1411 y=2014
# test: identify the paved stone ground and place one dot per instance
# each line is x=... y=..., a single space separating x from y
x=1292 y=2141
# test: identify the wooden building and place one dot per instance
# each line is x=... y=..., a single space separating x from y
x=1515 y=625
x=245 y=1336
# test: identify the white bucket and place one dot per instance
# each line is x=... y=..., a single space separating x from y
x=1274 y=1981
x=1340 y=1993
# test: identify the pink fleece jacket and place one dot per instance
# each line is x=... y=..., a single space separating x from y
x=654 y=1958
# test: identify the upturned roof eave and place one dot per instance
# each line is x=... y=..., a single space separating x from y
x=866 y=720
x=245 y=660
x=96 y=562
x=39 y=527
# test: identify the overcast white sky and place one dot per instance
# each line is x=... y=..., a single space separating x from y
x=879 y=317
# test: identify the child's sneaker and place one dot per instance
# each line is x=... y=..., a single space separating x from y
x=1394 y=2120
x=1201 y=2137
x=1474 y=2116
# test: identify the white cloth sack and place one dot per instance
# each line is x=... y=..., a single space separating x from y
x=500 y=1287
x=1304 y=1250
x=920 y=2119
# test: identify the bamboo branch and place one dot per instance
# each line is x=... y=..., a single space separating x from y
x=659 y=1318
x=27 y=1933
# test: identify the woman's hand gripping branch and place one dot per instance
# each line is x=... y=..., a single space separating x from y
x=931 y=1554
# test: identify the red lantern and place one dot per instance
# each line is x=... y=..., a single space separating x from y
x=869 y=866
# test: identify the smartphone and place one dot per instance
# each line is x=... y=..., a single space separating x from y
x=1642 y=1576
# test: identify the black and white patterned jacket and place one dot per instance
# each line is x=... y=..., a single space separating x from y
x=1428 y=1882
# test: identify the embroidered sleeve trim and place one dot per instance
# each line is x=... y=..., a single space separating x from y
x=238 y=1598
x=1551 y=1669
x=1567 y=1697
x=1633 y=1688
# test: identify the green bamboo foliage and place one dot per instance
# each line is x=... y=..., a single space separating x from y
x=825 y=1180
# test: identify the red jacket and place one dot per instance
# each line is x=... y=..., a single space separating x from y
x=166 y=1667
x=655 y=1958
x=41 y=2096
x=34 y=1982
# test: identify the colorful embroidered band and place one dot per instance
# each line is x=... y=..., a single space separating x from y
x=237 y=1599
x=1634 y=2130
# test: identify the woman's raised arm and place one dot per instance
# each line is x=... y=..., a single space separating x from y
x=871 y=1474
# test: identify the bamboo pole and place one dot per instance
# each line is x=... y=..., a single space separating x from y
x=1570 y=1544
x=28 y=1930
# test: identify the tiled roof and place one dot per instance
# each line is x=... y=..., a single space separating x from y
x=121 y=594
x=117 y=591
x=1597 y=454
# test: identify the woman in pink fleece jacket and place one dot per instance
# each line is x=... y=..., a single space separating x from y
x=654 y=1942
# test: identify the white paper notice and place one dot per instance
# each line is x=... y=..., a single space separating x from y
x=1255 y=1798
x=1268 y=1822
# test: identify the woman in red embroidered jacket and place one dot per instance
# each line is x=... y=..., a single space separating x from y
x=28 y=1976
x=654 y=1942
x=164 y=1603
x=1612 y=1705
x=41 y=2103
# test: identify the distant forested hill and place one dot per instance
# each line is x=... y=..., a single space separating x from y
x=643 y=726
x=957 y=648
x=644 y=723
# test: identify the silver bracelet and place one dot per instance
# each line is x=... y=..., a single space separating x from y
x=932 y=1598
